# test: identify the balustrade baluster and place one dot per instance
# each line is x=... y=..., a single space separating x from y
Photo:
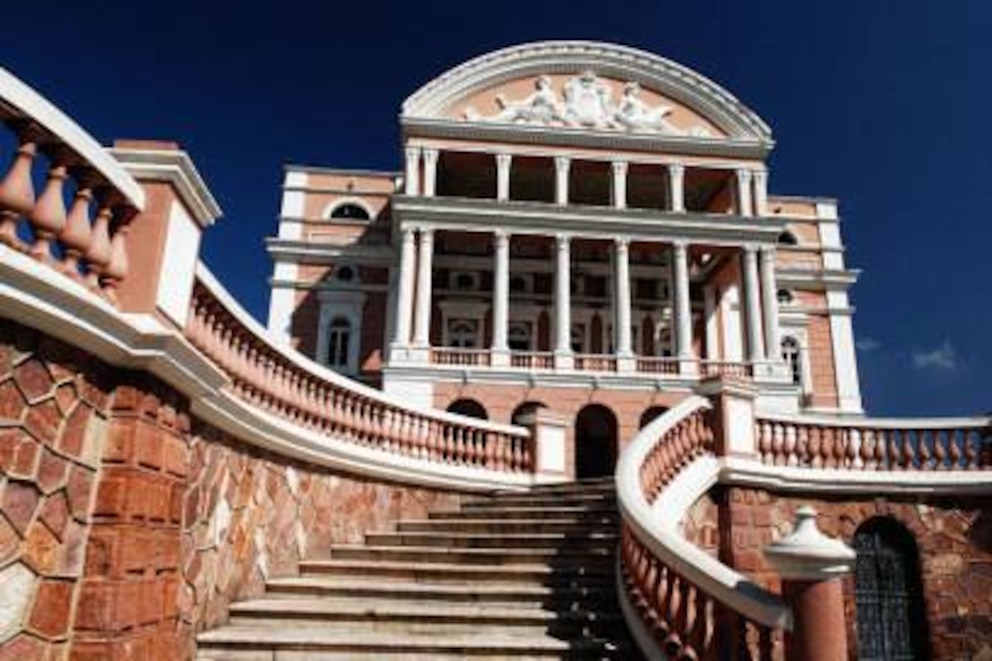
x=970 y=442
x=778 y=445
x=47 y=218
x=790 y=446
x=803 y=453
x=76 y=233
x=117 y=264
x=98 y=251
x=868 y=449
x=17 y=189
x=941 y=452
x=815 y=447
x=923 y=451
x=764 y=441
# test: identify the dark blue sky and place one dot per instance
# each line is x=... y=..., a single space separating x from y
x=881 y=104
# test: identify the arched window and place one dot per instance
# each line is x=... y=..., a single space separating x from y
x=651 y=414
x=350 y=211
x=519 y=336
x=787 y=238
x=891 y=621
x=792 y=357
x=525 y=409
x=578 y=338
x=339 y=337
x=469 y=407
x=463 y=333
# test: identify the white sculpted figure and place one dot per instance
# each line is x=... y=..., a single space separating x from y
x=635 y=115
x=588 y=102
x=541 y=107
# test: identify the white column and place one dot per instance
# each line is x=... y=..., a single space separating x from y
x=621 y=278
x=712 y=330
x=761 y=192
x=683 y=309
x=619 y=184
x=430 y=172
x=404 y=297
x=503 y=162
x=769 y=303
x=412 y=186
x=563 y=303
x=501 y=297
x=752 y=307
x=744 y=205
x=562 y=164
x=425 y=273
x=676 y=187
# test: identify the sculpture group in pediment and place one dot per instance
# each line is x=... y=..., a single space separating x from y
x=586 y=102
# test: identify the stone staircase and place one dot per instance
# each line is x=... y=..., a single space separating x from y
x=508 y=576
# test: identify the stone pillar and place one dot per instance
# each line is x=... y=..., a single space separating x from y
x=733 y=415
x=550 y=445
x=811 y=566
x=412 y=179
x=710 y=319
x=501 y=298
x=752 y=307
x=769 y=303
x=563 y=303
x=676 y=187
x=404 y=297
x=562 y=164
x=744 y=205
x=503 y=163
x=619 y=184
x=425 y=274
x=621 y=323
x=761 y=192
x=430 y=172
x=682 y=308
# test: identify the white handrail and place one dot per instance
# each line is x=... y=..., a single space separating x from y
x=965 y=422
x=660 y=536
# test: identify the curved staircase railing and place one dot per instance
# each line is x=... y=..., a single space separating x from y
x=681 y=602
x=289 y=386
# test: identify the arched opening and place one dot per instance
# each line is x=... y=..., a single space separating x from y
x=469 y=407
x=891 y=621
x=525 y=409
x=650 y=415
x=350 y=211
x=338 y=340
x=787 y=238
x=792 y=357
x=595 y=442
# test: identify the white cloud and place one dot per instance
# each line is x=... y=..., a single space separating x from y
x=867 y=344
x=943 y=357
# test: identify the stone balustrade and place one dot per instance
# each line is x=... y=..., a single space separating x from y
x=77 y=219
x=269 y=378
x=876 y=445
x=688 y=604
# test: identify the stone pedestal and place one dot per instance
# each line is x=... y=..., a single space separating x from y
x=550 y=447
x=811 y=565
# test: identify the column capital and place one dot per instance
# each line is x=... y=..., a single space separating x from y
x=676 y=168
x=501 y=235
x=562 y=240
x=749 y=248
x=412 y=151
x=619 y=167
x=408 y=232
x=426 y=233
x=562 y=162
x=680 y=245
x=767 y=253
x=503 y=159
x=430 y=153
x=621 y=242
x=744 y=174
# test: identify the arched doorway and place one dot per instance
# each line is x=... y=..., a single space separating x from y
x=650 y=415
x=469 y=407
x=595 y=442
x=891 y=622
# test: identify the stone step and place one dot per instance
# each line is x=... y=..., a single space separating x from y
x=446 y=572
x=590 y=486
x=497 y=511
x=503 y=526
x=404 y=617
x=572 y=556
x=575 y=541
x=526 y=595
x=289 y=644
x=541 y=500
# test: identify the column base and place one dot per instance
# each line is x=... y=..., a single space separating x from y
x=688 y=366
x=626 y=363
x=399 y=353
x=564 y=360
x=499 y=357
x=420 y=354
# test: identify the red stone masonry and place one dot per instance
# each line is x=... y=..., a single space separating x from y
x=126 y=527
